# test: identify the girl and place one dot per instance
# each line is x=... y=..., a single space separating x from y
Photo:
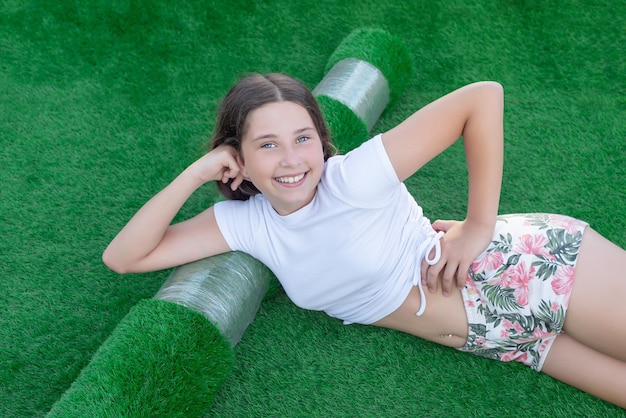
x=343 y=235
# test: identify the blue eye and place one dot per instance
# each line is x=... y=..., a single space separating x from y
x=302 y=139
x=267 y=145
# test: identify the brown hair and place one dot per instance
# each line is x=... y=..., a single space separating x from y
x=250 y=93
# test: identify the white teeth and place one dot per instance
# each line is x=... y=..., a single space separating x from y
x=290 y=179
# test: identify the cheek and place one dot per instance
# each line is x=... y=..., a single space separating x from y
x=256 y=167
x=320 y=154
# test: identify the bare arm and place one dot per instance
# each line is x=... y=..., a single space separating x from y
x=474 y=112
x=148 y=242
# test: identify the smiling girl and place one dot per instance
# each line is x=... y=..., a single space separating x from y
x=344 y=236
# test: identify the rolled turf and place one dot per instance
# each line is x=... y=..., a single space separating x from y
x=390 y=56
x=161 y=360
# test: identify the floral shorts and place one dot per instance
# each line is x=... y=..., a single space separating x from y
x=518 y=290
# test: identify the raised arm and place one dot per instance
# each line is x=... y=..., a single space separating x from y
x=148 y=242
x=475 y=113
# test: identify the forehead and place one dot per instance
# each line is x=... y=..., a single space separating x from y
x=278 y=118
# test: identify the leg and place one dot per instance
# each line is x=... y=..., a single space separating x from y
x=596 y=316
x=586 y=369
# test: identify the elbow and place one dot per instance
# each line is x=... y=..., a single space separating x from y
x=113 y=263
x=499 y=89
x=486 y=95
x=495 y=89
x=492 y=88
x=490 y=96
x=497 y=86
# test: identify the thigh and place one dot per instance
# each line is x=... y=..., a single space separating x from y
x=597 y=309
x=595 y=373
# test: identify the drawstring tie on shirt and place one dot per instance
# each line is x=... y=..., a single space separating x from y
x=417 y=279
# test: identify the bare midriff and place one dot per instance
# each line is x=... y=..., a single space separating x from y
x=444 y=321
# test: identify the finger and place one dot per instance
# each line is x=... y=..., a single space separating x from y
x=448 y=278
x=237 y=182
x=432 y=276
x=442 y=225
x=462 y=274
x=230 y=170
x=227 y=174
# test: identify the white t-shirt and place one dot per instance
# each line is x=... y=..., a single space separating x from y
x=353 y=252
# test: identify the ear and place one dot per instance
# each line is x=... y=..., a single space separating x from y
x=242 y=167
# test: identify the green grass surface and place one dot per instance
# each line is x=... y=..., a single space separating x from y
x=104 y=102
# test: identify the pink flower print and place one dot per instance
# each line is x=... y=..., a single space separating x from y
x=518 y=328
x=491 y=261
x=538 y=333
x=563 y=280
x=523 y=358
x=515 y=326
x=504 y=333
x=517 y=278
x=514 y=355
x=532 y=244
x=554 y=307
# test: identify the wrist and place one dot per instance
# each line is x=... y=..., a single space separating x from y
x=191 y=178
x=482 y=225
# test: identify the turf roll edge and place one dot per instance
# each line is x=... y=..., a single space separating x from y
x=346 y=129
x=162 y=359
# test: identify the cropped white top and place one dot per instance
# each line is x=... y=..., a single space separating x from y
x=354 y=251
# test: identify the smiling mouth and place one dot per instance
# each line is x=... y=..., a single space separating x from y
x=290 y=179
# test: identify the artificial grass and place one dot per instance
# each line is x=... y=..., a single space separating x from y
x=105 y=102
x=161 y=360
x=342 y=123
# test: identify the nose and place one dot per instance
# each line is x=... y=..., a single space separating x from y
x=290 y=157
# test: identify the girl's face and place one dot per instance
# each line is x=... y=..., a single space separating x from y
x=282 y=155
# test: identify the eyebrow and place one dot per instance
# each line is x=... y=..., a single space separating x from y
x=271 y=135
